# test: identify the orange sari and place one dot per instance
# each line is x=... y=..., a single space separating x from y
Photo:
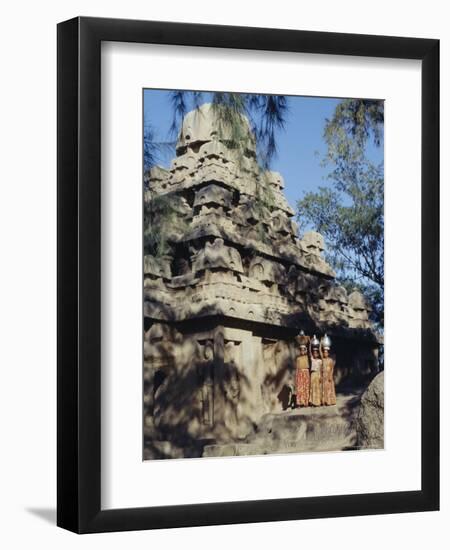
x=328 y=389
x=302 y=381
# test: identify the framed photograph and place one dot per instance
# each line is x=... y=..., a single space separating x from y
x=248 y=256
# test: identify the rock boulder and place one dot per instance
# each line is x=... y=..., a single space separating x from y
x=370 y=419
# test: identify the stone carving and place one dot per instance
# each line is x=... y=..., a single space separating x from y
x=158 y=177
x=213 y=195
x=202 y=125
x=359 y=310
x=206 y=379
x=225 y=303
x=275 y=179
x=313 y=242
x=218 y=255
x=334 y=304
x=182 y=208
x=280 y=223
x=250 y=211
x=158 y=267
x=214 y=150
x=265 y=270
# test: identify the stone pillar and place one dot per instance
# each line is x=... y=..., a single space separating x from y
x=220 y=404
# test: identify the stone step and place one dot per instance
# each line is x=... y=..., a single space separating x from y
x=309 y=429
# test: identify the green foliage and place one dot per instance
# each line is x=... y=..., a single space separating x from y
x=228 y=108
x=154 y=150
x=266 y=113
x=353 y=123
x=350 y=213
x=150 y=152
x=161 y=223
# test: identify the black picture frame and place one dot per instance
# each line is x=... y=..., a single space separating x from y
x=79 y=280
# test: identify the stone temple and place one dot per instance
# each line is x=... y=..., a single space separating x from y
x=225 y=302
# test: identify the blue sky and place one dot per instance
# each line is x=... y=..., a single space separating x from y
x=300 y=144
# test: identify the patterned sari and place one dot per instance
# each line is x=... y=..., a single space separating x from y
x=302 y=381
x=328 y=389
x=315 y=394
